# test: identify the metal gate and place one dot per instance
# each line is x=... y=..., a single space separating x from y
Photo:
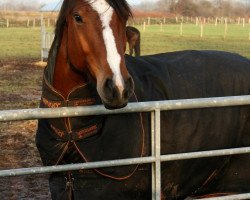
x=155 y=108
x=46 y=42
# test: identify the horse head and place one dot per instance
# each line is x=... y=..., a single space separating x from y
x=94 y=36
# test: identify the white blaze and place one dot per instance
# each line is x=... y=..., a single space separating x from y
x=105 y=12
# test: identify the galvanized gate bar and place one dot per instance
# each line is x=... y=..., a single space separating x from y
x=155 y=107
x=153 y=173
x=205 y=154
x=158 y=154
x=230 y=197
x=133 y=161
x=42 y=113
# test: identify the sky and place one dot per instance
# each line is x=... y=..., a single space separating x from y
x=132 y=2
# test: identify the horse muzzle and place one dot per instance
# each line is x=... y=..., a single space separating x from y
x=114 y=96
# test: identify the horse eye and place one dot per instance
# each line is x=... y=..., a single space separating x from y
x=78 y=18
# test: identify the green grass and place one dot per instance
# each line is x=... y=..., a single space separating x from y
x=19 y=43
x=25 y=42
x=169 y=39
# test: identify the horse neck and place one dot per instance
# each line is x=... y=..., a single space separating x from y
x=65 y=79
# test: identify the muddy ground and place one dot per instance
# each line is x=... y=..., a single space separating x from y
x=20 y=87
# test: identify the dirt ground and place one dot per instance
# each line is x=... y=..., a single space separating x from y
x=20 y=87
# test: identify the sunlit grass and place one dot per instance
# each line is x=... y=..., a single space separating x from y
x=19 y=42
x=25 y=42
x=157 y=40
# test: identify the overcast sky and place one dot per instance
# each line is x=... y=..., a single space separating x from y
x=49 y=1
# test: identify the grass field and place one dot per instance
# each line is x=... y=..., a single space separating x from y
x=21 y=80
x=25 y=42
x=155 y=40
x=19 y=43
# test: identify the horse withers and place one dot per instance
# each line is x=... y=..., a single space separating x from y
x=87 y=66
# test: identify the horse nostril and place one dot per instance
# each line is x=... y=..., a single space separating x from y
x=109 y=88
x=125 y=94
x=109 y=84
x=129 y=87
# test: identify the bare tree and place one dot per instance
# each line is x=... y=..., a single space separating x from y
x=25 y=5
x=187 y=8
x=203 y=8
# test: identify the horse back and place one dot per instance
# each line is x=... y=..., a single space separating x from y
x=190 y=74
x=197 y=74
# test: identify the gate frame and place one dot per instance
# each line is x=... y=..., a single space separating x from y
x=155 y=108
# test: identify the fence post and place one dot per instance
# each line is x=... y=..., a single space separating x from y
x=201 y=35
x=144 y=26
x=34 y=23
x=42 y=37
x=7 y=23
x=225 y=31
x=161 y=27
x=181 y=29
x=28 y=22
x=216 y=21
x=148 y=21
x=243 y=22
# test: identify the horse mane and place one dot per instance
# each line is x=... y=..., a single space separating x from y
x=121 y=7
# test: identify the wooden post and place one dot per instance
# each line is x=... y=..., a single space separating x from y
x=28 y=22
x=197 y=21
x=181 y=29
x=164 y=20
x=243 y=22
x=48 y=22
x=161 y=27
x=7 y=23
x=201 y=35
x=176 y=19
x=216 y=21
x=239 y=21
x=144 y=26
x=148 y=21
x=34 y=23
x=225 y=31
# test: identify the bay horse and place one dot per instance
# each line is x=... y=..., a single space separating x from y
x=87 y=66
x=134 y=40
